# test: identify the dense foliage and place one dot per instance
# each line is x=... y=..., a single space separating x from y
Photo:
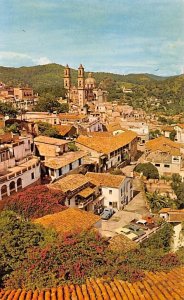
x=16 y=236
x=33 y=257
x=47 y=129
x=162 y=239
x=178 y=187
x=8 y=109
x=36 y=202
x=149 y=92
x=148 y=170
x=158 y=201
x=47 y=102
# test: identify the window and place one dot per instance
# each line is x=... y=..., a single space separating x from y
x=110 y=203
x=157 y=165
x=52 y=173
x=60 y=171
x=80 y=161
x=110 y=192
x=70 y=166
x=166 y=166
x=114 y=204
x=32 y=176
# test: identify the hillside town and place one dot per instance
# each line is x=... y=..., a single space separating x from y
x=114 y=169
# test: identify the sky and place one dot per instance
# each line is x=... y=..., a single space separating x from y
x=119 y=36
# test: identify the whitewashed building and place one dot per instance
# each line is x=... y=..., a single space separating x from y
x=117 y=190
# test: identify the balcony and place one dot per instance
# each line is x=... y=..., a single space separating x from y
x=84 y=203
x=19 y=170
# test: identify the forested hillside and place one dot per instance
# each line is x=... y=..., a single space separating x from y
x=169 y=91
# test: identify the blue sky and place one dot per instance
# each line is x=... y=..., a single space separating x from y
x=121 y=36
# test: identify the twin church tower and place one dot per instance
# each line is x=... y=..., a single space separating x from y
x=86 y=90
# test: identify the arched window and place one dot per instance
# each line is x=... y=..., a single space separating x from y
x=19 y=183
x=12 y=186
x=4 y=191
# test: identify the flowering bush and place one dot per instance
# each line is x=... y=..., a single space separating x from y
x=36 y=202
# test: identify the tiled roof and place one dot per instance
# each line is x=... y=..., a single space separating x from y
x=180 y=125
x=105 y=179
x=155 y=286
x=63 y=160
x=168 y=128
x=71 y=116
x=69 y=220
x=164 y=145
x=86 y=192
x=50 y=140
x=64 y=129
x=113 y=127
x=99 y=134
x=70 y=182
x=107 y=144
x=174 y=215
x=164 y=210
x=46 y=149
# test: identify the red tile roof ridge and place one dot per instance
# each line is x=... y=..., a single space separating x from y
x=155 y=286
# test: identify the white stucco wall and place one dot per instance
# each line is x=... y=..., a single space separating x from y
x=26 y=179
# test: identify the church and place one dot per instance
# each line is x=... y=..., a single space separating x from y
x=86 y=91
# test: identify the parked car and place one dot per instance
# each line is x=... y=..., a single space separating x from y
x=107 y=213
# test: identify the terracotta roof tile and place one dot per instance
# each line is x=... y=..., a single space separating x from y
x=70 y=182
x=180 y=125
x=107 y=144
x=105 y=179
x=64 y=129
x=69 y=220
x=72 y=117
x=155 y=286
x=64 y=160
x=86 y=192
x=50 y=140
x=164 y=145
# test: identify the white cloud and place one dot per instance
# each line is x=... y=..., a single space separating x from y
x=42 y=61
x=14 y=59
x=13 y=55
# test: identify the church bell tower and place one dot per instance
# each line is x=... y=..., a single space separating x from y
x=81 y=86
x=67 y=78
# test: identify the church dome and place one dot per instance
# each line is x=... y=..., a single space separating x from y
x=90 y=82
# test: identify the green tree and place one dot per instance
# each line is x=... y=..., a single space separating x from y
x=178 y=187
x=8 y=109
x=157 y=201
x=16 y=236
x=13 y=128
x=172 y=135
x=48 y=130
x=148 y=170
x=72 y=147
x=154 y=133
x=48 y=103
x=161 y=239
x=179 y=191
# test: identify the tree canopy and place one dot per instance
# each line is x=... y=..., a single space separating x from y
x=47 y=129
x=49 y=103
x=8 y=109
x=148 y=170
